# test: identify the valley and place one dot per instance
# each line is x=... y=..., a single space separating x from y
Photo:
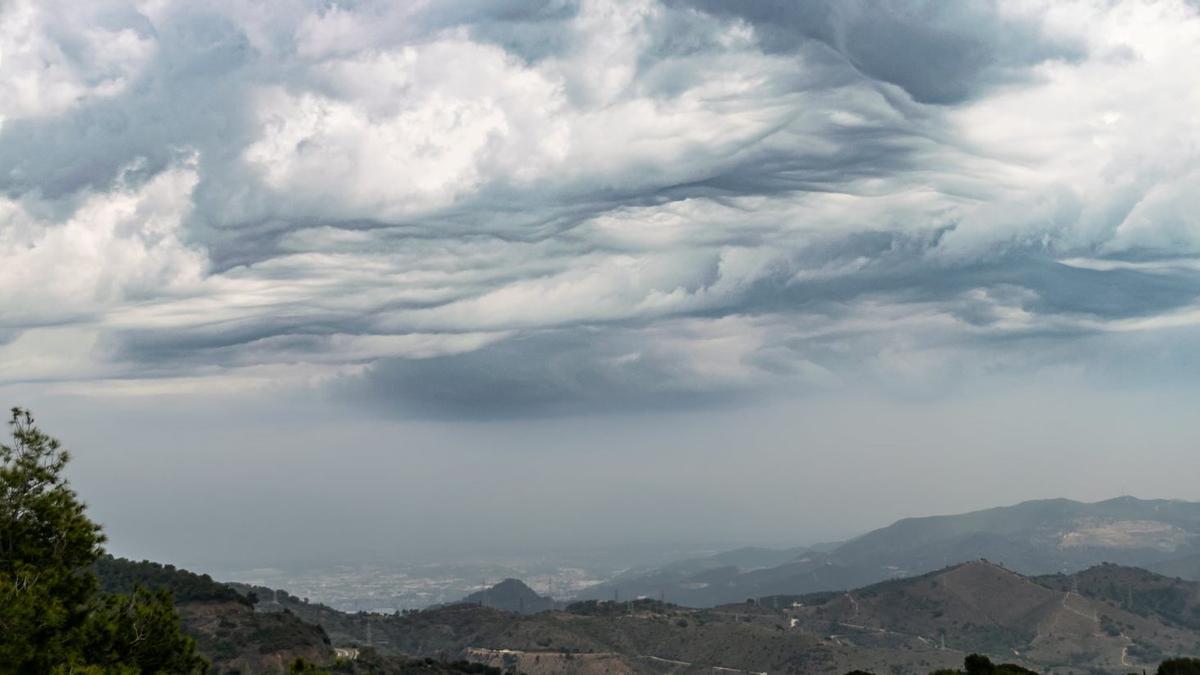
x=1036 y=587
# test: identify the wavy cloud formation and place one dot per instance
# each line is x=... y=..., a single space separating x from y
x=510 y=208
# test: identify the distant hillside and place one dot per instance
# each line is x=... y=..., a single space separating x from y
x=511 y=595
x=1066 y=624
x=239 y=633
x=228 y=632
x=696 y=584
x=1172 y=600
x=642 y=636
x=744 y=559
x=982 y=607
x=1036 y=537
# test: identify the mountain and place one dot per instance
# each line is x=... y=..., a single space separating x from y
x=1035 y=537
x=1108 y=619
x=511 y=595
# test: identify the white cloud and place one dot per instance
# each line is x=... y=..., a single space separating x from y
x=117 y=247
x=407 y=131
x=41 y=75
x=1111 y=139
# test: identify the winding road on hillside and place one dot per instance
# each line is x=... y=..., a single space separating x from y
x=1096 y=619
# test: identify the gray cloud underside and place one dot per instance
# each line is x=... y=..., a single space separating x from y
x=495 y=209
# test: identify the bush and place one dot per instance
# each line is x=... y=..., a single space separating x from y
x=1180 y=666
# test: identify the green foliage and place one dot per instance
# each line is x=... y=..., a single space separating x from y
x=1181 y=666
x=978 y=664
x=141 y=629
x=303 y=667
x=45 y=542
x=118 y=575
x=52 y=618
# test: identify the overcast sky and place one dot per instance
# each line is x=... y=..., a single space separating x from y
x=310 y=280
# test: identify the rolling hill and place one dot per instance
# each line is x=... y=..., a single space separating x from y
x=1078 y=623
x=983 y=607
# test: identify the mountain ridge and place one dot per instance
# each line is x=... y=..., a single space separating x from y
x=1035 y=537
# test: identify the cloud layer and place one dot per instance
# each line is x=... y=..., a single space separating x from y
x=493 y=209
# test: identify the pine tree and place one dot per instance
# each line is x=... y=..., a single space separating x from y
x=52 y=618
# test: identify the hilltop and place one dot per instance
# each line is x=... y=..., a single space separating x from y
x=511 y=595
x=1171 y=599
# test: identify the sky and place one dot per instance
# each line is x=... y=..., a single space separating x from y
x=304 y=281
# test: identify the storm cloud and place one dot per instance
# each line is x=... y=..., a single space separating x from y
x=478 y=209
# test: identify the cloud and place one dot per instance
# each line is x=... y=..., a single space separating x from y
x=117 y=247
x=55 y=58
x=940 y=53
x=492 y=209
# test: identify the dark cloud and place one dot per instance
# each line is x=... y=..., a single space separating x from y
x=569 y=371
x=938 y=52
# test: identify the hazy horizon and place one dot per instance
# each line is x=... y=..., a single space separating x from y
x=338 y=487
x=301 y=282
